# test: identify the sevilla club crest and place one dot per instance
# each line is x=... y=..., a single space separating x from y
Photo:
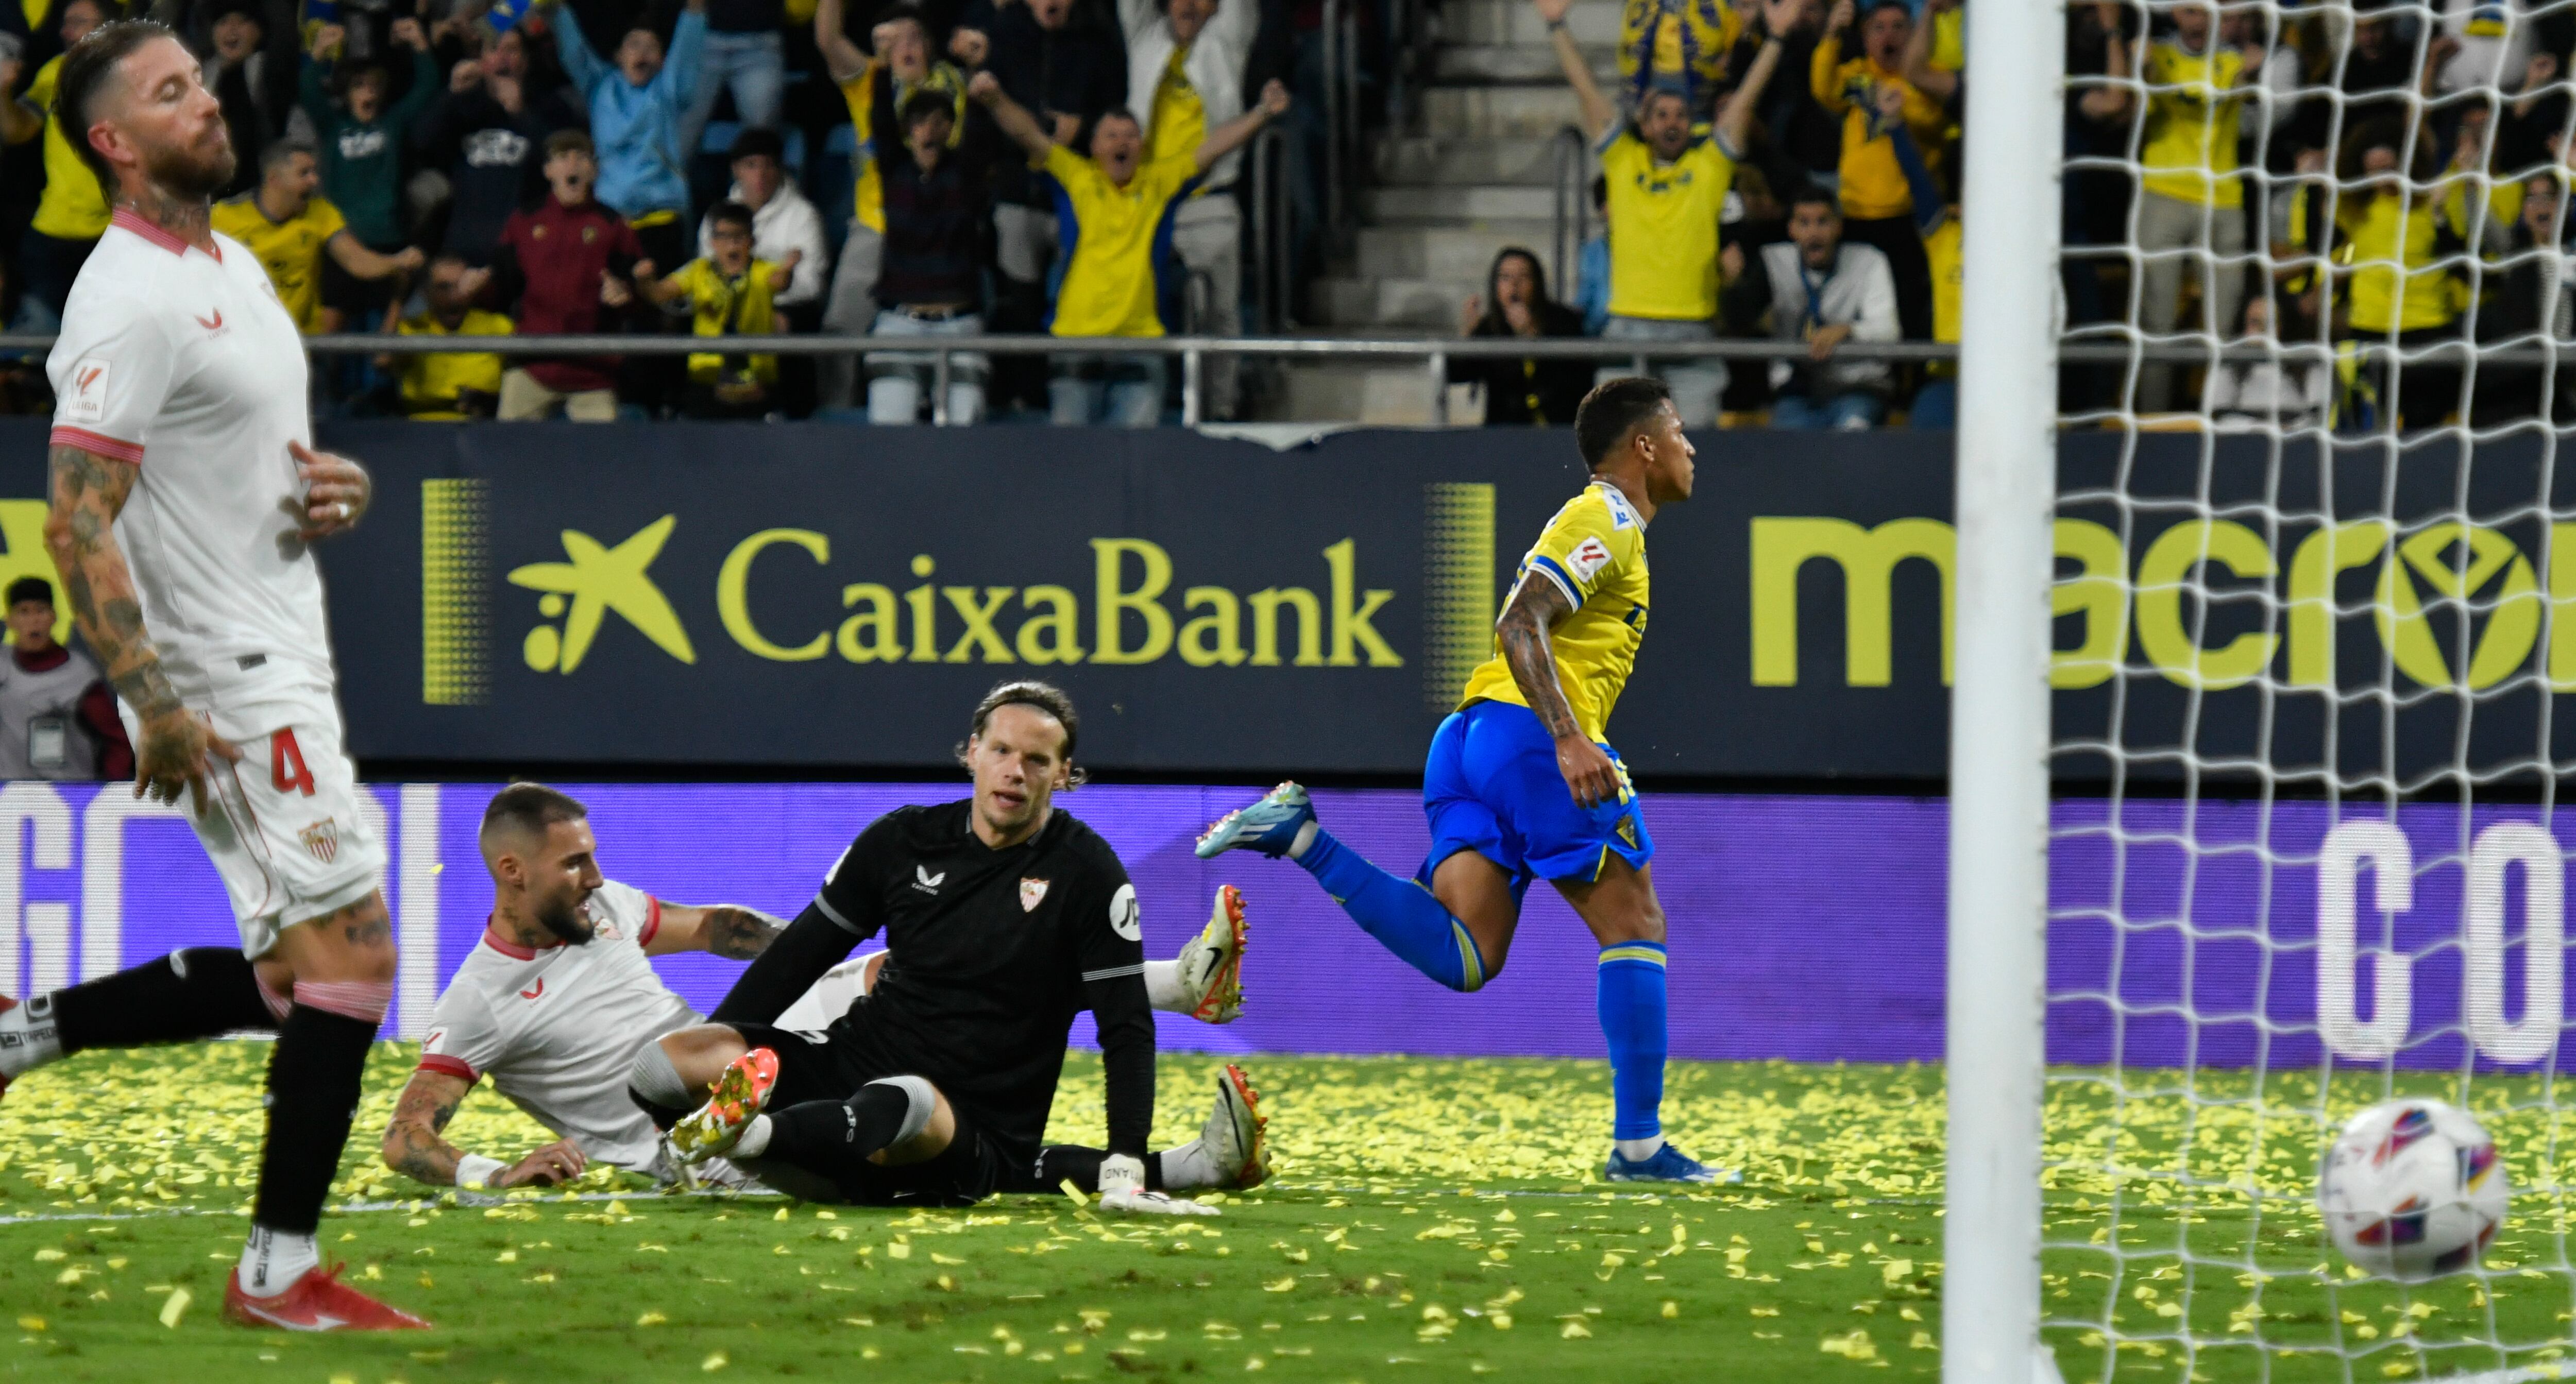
x=1032 y=893
x=323 y=839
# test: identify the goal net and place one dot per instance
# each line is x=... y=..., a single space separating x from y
x=2314 y=557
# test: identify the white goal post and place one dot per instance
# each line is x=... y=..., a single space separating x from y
x=1999 y=701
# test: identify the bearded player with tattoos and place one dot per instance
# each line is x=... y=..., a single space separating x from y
x=555 y=1001
x=185 y=500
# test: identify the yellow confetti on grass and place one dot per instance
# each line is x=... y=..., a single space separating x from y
x=174 y=1307
x=1855 y=1346
x=1575 y=1331
x=651 y=1319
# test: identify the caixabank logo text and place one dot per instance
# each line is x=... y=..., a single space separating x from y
x=1131 y=603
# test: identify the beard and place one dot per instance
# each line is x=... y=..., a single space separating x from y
x=184 y=173
x=567 y=920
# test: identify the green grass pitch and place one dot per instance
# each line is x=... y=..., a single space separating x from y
x=1429 y=1220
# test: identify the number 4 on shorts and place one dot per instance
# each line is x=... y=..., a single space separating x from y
x=286 y=771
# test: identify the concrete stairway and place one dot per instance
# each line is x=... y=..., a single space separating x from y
x=1444 y=199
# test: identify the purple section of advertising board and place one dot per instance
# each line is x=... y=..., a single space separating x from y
x=1806 y=928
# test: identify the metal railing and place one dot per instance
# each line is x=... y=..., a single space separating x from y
x=1569 y=163
x=1434 y=354
x=1270 y=248
x=1342 y=123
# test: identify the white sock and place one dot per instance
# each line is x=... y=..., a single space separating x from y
x=1189 y=1167
x=1638 y=1150
x=1305 y=838
x=1163 y=987
x=27 y=1037
x=274 y=1260
x=754 y=1141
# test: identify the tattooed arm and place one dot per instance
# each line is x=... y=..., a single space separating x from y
x=1522 y=632
x=727 y=930
x=87 y=491
x=414 y=1146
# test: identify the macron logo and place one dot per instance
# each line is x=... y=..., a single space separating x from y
x=925 y=881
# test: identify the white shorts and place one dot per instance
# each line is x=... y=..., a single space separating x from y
x=284 y=826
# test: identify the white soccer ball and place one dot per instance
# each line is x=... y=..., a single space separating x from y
x=2413 y=1189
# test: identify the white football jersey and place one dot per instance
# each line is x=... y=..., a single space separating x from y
x=186 y=364
x=556 y=1029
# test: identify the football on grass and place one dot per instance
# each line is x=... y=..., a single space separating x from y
x=2412 y=1189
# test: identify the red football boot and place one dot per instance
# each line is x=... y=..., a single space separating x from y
x=319 y=1301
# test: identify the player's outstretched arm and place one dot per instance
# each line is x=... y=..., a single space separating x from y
x=724 y=929
x=1536 y=606
x=414 y=1144
x=87 y=492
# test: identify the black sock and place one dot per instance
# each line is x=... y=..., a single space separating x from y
x=1063 y=1162
x=185 y=996
x=313 y=1080
x=830 y=1137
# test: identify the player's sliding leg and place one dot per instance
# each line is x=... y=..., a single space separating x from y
x=1457 y=931
x=1231 y=1152
x=338 y=971
x=1620 y=907
x=199 y=993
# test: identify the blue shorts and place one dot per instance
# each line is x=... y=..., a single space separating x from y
x=1491 y=785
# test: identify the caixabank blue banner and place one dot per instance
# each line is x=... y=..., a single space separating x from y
x=831 y=599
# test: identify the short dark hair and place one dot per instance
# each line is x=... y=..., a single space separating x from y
x=1612 y=411
x=1811 y=195
x=733 y=213
x=527 y=809
x=923 y=104
x=563 y=142
x=1115 y=113
x=31 y=589
x=86 y=72
x=369 y=75
x=280 y=150
x=1040 y=696
x=756 y=143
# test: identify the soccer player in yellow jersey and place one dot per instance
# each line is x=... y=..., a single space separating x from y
x=1667 y=185
x=1520 y=785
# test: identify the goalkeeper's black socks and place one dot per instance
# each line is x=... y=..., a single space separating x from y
x=188 y=995
x=313 y=1079
x=829 y=1137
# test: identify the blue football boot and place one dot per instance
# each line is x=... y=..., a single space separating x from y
x=1668 y=1164
x=1269 y=826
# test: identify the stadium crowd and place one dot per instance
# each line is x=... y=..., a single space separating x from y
x=721 y=168
x=1784 y=170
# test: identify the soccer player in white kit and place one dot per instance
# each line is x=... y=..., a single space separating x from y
x=185 y=500
x=555 y=1001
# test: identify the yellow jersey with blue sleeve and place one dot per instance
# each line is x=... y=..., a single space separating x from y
x=1594 y=551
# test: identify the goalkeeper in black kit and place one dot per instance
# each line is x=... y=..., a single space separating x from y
x=1005 y=917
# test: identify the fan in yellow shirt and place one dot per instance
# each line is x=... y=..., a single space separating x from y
x=72 y=212
x=2396 y=253
x=1114 y=213
x=728 y=293
x=449 y=387
x=1667 y=186
x=2191 y=196
x=1877 y=205
x=290 y=229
